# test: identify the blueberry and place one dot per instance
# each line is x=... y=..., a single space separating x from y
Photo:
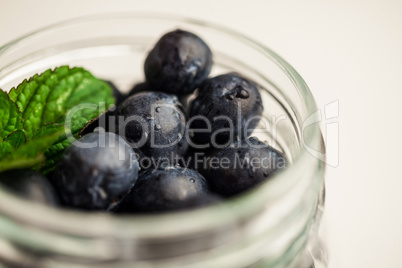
x=154 y=125
x=231 y=104
x=172 y=188
x=29 y=184
x=95 y=170
x=184 y=99
x=178 y=63
x=242 y=166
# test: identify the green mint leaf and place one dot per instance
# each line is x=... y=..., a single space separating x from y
x=34 y=116
x=46 y=98
x=37 y=145
x=5 y=148
x=54 y=152
x=16 y=138
x=10 y=116
x=29 y=154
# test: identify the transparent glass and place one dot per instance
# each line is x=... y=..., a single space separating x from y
x=274 y=225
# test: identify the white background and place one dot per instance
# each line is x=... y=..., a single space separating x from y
x=349 y=51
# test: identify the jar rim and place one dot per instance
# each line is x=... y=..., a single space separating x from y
x=233 y=209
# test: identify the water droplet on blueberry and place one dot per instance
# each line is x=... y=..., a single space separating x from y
x=243 y=94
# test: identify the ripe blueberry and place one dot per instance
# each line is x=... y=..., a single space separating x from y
x=171 y=188
x=241 y=166
x=154 y=124
x=95 y=170
x=178 y=63
x=231 y=104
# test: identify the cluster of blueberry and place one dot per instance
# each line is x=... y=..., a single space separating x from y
x=106 y=169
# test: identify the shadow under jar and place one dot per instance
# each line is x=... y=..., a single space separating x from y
x=273 y=225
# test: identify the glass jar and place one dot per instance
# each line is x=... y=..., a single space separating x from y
x=273 y=225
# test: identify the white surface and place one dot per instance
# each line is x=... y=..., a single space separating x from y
x=349 y=51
